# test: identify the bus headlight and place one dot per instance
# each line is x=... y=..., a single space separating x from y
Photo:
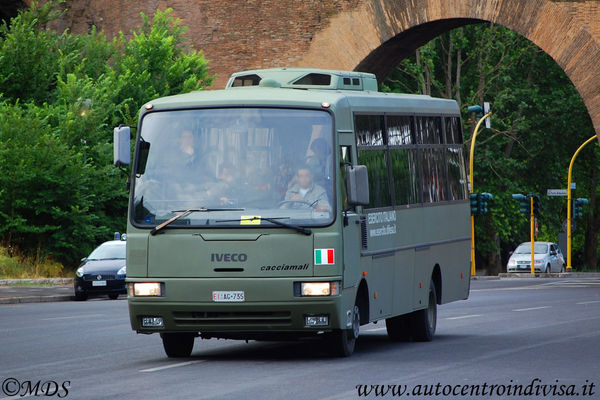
x=318 y=288
x=145 y=289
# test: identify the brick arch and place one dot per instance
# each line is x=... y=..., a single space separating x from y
x=376 y=35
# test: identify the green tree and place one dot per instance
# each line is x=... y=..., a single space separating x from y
x=60 y=96
x=539 y=120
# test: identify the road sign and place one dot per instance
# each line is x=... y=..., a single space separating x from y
x=556 y=192
x=486 y=109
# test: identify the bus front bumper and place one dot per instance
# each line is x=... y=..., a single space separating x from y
x=268 y=307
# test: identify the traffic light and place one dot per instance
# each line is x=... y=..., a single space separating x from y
x=537 y=208
x=484 y=198
x=578 y=207
x=524 y=204
x=477 y=109
x=479 y=203
x=474 y=200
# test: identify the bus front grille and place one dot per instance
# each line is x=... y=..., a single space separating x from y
x=208 y=318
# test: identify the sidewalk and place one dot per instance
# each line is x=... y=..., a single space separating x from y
x=15 y=291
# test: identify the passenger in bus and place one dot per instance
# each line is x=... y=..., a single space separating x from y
x=186 y=145
x=304 y=192
x=229 y=186
x=318 y=161
x=285 y=178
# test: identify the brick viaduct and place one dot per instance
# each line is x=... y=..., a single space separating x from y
x=364 y=35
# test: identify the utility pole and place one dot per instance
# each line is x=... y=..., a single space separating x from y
x=479 y=110
x=570 y=202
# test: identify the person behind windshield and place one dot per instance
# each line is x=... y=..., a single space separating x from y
x=319 y=160
x=186 y=145
x=304 y=190
x=230 y=183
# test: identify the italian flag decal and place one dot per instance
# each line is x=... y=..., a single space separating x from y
x=324 y=257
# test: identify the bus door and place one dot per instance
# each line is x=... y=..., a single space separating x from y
x=353 y=227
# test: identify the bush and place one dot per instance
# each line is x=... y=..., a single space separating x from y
x=60 y=96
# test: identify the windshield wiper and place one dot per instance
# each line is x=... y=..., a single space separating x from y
x=273 y=220
x=186 y=212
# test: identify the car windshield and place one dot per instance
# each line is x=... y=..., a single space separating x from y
x=538 y=248
x=237 y=166
x=108 y=252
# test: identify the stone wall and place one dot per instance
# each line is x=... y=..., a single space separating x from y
x=243 y=34
x=367 y=35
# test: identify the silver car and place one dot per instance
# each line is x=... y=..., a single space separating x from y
x=547 y=257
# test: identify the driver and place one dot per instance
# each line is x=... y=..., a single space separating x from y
x=304 y=190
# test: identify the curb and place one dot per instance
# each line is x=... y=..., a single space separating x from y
x=551 y=275
x=41 y=281
x=485 y=278
x=35 y=299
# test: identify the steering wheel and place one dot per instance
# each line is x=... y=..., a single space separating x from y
x=302 y=202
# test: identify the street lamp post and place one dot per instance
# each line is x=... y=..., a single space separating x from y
x=474 y=109
x=570 y=203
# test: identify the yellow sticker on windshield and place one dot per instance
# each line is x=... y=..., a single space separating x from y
x=250 y=220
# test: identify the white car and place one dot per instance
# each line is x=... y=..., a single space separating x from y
x=547 y=257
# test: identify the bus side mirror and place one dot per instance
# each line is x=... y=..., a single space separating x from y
x=122 y=146
x=357 y=184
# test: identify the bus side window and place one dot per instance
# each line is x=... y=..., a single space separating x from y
x=372 y=143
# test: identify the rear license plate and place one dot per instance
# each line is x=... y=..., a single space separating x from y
x=229 y=296
x=98 y=283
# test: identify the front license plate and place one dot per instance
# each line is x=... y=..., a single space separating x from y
x=229 y=296
x=98 y=283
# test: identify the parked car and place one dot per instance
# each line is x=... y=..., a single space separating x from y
x=547 y=257
x=102 y=272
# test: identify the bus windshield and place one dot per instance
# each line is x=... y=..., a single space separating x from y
x=241 y=166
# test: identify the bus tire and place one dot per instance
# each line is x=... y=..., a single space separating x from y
x=178 y=344
x=343 y=341
x=424 y=321
x=398 y=328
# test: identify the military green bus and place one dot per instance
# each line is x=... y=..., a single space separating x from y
x=294 y=203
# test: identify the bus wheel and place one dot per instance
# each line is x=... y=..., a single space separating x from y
x=343 y=341
x=178 y=344
x=424 y=321
x=398 y=328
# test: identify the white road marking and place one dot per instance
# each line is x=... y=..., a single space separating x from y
x=465 y=316
x=73 y=317
x=183 y=364
x=589 y=302
x=531 y=309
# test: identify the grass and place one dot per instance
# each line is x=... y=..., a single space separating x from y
x=18 y=267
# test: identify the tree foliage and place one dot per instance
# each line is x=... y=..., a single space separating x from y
x=538 y=122
x=60 y=96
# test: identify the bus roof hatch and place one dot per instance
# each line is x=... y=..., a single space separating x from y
x=304 y=78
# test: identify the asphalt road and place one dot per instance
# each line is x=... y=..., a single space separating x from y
x=528 y=332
